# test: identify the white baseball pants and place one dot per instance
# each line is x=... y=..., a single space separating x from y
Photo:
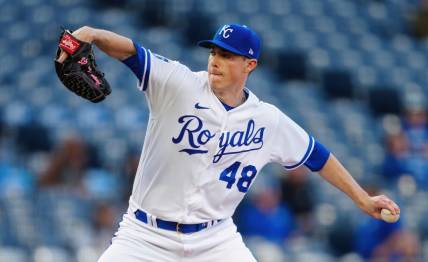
x=136 y=241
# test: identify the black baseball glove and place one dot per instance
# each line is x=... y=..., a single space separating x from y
x=79 y=72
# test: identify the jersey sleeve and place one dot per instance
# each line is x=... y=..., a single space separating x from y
x=159 y=77
x=292 y=146
x=318 y=157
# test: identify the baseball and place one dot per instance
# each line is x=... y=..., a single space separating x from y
x=387 y=216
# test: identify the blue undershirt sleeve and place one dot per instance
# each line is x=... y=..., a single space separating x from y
x=137 y=62
x=318 y=157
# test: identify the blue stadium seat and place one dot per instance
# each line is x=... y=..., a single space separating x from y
x=13 y=254
x=51 y=254
x=87 y=254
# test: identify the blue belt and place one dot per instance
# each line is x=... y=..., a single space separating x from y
x=174 y=226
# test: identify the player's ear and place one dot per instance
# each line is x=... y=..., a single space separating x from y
x=251 y=65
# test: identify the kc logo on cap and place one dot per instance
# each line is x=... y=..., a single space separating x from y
x=225 y=31
x=238 y=39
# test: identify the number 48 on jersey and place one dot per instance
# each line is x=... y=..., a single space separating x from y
x=246 y=177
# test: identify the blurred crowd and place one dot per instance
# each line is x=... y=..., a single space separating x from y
x=31 y=167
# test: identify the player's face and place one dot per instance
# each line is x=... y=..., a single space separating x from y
x=226 y=70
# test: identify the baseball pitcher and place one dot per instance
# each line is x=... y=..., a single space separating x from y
x=208 y=136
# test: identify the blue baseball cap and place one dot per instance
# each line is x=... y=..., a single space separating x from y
x=238 y=39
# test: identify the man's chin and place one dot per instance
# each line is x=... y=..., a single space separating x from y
x=215 y=82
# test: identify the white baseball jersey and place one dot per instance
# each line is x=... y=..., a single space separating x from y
x=199 y=159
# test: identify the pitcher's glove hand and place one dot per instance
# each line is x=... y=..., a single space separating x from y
x=79 y=72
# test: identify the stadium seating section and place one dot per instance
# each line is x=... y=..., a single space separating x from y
x=335 y=66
